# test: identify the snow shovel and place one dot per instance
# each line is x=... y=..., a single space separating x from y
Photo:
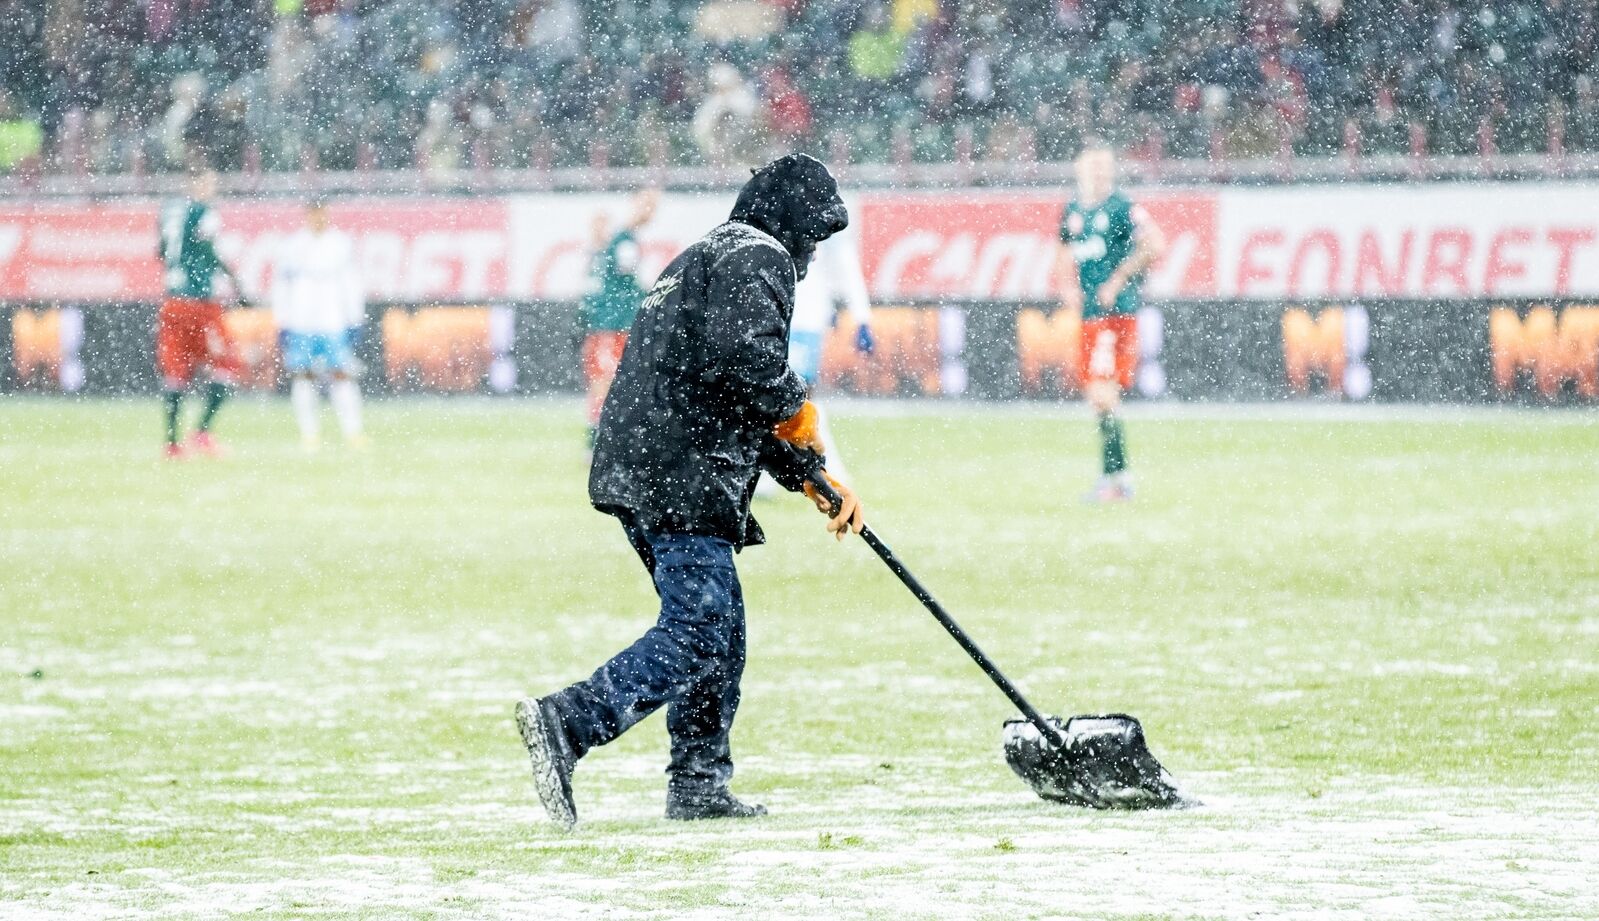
x=1101 y=762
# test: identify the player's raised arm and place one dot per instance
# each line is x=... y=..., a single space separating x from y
x=644 y=205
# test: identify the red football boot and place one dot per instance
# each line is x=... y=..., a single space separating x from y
x=203 y=443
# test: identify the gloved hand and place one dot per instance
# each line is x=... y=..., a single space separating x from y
x=353 y=336
x=283 y=341
x=802 y=430
x=864 y=343
x=851 y=514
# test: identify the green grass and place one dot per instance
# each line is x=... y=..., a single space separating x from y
x=281 y=685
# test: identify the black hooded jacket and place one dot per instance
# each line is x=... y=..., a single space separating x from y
x=705 y=377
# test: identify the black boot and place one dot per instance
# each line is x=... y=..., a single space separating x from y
x=716 y=804
x=552 y=757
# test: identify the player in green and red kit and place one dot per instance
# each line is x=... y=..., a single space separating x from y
x=190 y=333
x=614 y=295
x=1107 y=242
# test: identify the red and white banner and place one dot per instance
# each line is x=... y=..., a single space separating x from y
x=1411 y=241
x=1377 y=241
x=88 y=253
x=1416 y=241
x=1001 y=246
x=410 y=249
x=553 y=236
x=419 y=249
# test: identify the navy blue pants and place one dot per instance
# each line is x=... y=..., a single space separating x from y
x=690 y=661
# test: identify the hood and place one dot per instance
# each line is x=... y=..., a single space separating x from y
x=795 y=199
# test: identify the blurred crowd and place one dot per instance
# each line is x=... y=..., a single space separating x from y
x=120 y=85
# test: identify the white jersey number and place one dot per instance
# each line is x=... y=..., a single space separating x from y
x=1089 y=249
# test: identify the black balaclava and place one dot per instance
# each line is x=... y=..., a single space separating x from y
x=795 y=199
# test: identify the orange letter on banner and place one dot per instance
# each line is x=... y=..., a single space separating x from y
x=1516 y=342
x=448 y=347
x=399 y=342
x=1314 y=345
x=436 y=348
x=1045 y=344
x=255 y=336
x=1555 y=351
x=36 y=345
x=906 y=356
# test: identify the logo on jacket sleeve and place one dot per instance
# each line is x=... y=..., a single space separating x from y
x=662 y=290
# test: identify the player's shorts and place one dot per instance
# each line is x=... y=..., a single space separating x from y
x=190 y=334
x=805 y=354
x=602 y=352
x=1110 y=349
x=317 y=353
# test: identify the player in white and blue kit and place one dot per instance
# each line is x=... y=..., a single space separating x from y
x=319 y=308
x=835 y=279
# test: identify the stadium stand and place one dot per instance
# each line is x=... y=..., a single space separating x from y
x=136 y=86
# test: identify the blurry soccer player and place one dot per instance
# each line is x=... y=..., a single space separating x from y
x=1107 y=244
x=191 y=340
x=614 y=295
x=835 y=279
x=319 y=309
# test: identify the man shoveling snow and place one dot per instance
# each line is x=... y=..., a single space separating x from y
x=703 y=400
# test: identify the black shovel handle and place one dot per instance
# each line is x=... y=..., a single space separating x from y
x=826 y=490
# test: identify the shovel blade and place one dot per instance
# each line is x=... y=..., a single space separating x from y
x=1104 y=764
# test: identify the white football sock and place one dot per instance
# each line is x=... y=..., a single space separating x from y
x=302 y=396
x=346 y=399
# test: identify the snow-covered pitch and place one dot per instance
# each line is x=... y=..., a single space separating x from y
x=280 y=686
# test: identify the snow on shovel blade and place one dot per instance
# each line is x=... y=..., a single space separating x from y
x=1105 y=764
